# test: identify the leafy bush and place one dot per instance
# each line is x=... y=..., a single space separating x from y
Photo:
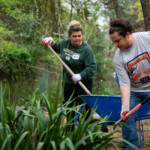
x=14 y=62
x=41 y=125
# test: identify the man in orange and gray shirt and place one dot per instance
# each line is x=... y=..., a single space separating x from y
x=132 y=63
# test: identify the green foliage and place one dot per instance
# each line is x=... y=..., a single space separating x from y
x=25 y=23
x=105 y=90
x=17 y=17
x=13 y=62
x=136 y=9
x=41 y=124
x=4 y=34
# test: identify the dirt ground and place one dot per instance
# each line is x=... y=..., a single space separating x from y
x=146 y=126
x=146 y=143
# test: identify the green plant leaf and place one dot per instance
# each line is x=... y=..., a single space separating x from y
x=70 y=144
x=40 y=146
x=5 y=141
x=55 y=105
x=20 y=140
x=62 y=145
x=54 y=145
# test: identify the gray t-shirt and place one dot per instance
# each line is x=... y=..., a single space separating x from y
x=133 y=64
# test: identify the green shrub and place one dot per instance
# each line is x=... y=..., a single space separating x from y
x=14 y=62
x=41 y=125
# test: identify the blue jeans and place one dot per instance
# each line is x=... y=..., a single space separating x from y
x=129 y=131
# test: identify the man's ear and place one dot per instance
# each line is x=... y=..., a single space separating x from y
x=128 y=34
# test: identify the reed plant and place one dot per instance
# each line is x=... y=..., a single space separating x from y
x=41 y=125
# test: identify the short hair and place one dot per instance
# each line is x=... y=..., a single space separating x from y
x=121 y=26
x=74 y=26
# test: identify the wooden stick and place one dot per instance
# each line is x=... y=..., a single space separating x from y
x=69 y=70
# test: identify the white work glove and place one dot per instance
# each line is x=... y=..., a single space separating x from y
x=125 y=109
x=76 y=78
x=47 y=40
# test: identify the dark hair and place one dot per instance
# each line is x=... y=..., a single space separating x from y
x=120 y=26
x=74 y=28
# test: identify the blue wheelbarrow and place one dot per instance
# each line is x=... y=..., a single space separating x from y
x=110 y=106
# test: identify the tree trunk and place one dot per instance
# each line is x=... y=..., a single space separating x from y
x=60 y=18
x=45 y=6
x=53 y=15
x=117 y=8
x=71 y=3
x=146 y=13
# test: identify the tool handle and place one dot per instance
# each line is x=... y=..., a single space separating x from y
x=134 y=109
x=69 y=70
x=138 y=106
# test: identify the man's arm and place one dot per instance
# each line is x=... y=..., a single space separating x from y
x=125 y=97
x=125 y=94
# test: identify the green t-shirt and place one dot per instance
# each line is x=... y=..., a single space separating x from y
x=80 y=59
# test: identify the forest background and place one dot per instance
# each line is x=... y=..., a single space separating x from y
x=26 y=64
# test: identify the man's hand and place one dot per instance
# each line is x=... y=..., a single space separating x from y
x=124 y=111
x=47 y=40
x=76 y=78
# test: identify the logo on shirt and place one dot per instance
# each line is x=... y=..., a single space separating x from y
x=67 y=58
x=70 y=54
x=140 y=68
x=75 y=56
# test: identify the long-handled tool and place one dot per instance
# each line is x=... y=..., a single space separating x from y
x=131 y=112
x=69 y=70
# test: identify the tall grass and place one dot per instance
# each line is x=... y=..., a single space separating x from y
x=41 y=124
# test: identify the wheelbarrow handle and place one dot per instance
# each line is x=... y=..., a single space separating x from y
x=132 y=111
x=69 y=70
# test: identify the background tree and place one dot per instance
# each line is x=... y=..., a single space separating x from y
x=117 y=8
x=146 y=13
x=24 y=23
